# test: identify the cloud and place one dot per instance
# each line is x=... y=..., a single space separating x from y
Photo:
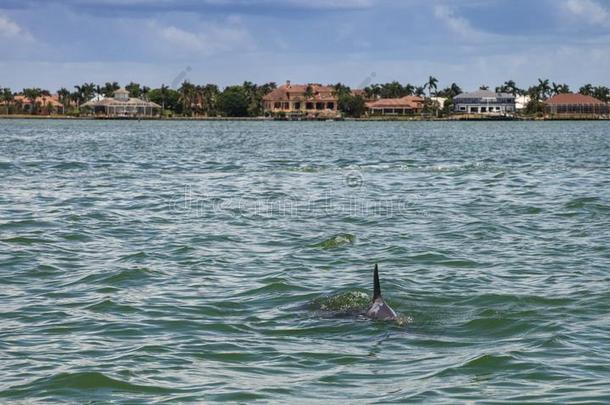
x=212 y=38
x=111 y=7
x=588 y=11
x=10 y=29
x=456 y=24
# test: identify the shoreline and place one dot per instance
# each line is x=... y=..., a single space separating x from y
x=272 y=119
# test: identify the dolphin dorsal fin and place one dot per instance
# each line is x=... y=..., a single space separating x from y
x=376 y=285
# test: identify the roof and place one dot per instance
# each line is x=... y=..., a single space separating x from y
x=296 y=92
x=572 y=98
x=42 y=100
x=121 y=91
x=403 y=102
x=97 y=98
x=483 y=94
x=132 y=102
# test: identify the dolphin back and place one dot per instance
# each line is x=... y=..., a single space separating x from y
x=379 y=309
x=376 y=284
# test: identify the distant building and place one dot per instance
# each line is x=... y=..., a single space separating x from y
x=313 y=100
x=121 y=105
x=43 y=104
x=575 y=104
x=440 y=101
x=396 y=106
x=521 y=102
x=484 y=102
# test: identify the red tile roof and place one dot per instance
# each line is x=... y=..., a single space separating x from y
x=296 y=92
x=571 y=98
x=412 y=102
x=42 y=100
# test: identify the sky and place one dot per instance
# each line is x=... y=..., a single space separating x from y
x=52 y=43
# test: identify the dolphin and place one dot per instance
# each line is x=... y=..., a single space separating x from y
x=379 y=310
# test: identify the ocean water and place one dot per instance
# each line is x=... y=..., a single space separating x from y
x=152 y=262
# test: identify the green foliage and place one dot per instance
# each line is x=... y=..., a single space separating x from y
x=450 y=92
x=391 y=90
x=431 y=84
x=167 y=98
x=509 y=87
x=7 y=98
x=534 y=106
x=84 y=92
x=599 y=92
x=233 y=102
x=134 y=90
x=109 y=88
x=352 y=106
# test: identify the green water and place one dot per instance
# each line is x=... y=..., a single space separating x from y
x=151 y=262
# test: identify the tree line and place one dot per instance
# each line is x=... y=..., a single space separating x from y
x=246 y=99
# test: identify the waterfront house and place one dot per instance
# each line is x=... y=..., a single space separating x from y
x=522 y=101
x=44 y=104
x=407 y=105
x=575 y=104
x=121 y=105
x=484 y=102
x=297 y=100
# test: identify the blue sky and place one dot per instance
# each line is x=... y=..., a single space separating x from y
x=53 y=43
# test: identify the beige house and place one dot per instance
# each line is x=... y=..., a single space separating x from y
x=396 y=106
x=43 y=104
x=297 y=100
x=121 y=105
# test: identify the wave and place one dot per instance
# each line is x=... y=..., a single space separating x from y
x=82 y=381
x=346 y=302
x=337 y=241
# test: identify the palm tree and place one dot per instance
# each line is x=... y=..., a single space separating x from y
x=64 y=96
x=408 y=89
x=163 y=90
x=483 y=87
x=373 y=91
x=392 y=90
x=187 y=95
x=84 y=93
x=32 y=95
x=544 y=88
x=7 y=98
x=420 y=91
x=340 y=89
x=455 y=89
x=601 y=93
x=509 y=87
x=431 y=84
x=557 y=88
x=309 y=93
x=210 y=97
x=109 y=89
x=586 y=90
x=134 y=89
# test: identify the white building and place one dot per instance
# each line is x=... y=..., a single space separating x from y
x=484 y=102
x=121 y=105
x=521 y=102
